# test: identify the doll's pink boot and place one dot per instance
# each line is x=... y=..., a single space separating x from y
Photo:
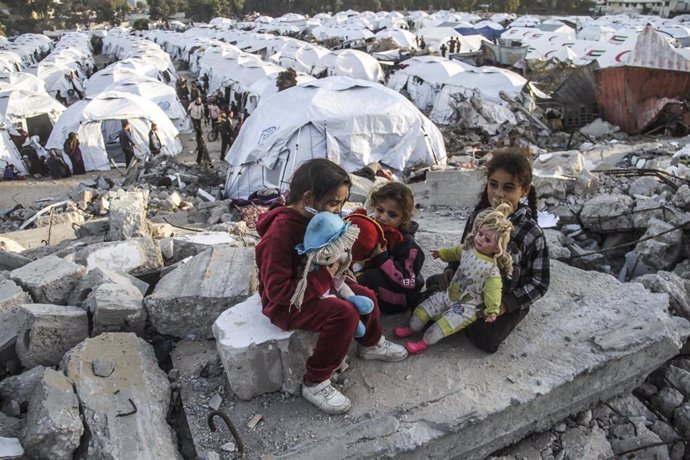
x=416 y=347
x=403 y=332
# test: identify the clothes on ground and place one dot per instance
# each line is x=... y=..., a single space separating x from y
x=281 y=229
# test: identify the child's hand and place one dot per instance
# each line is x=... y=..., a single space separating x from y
x=490 y=318
x=435 y=254
x=378 y=250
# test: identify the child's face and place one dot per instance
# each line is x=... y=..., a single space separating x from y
x=484 y=241
x=388 y=212
x=503 y=187
x=334 y=202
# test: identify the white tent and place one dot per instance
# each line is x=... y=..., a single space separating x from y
x=403 y=38
x=106 y=77
x=352 y=122
x=435 y=36
x=422 y=79
x=8 y=151
x=22 y=80
x=58 y=77
x=299 y=55
x=10 y=61
x=351 y=63
x=265 y=87
x=92 y=119
x=160 y=94
x=16 y=105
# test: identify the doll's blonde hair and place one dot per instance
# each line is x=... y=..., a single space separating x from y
x=495 y=219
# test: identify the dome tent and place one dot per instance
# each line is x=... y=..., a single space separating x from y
x=352 y=122
x=91 y=119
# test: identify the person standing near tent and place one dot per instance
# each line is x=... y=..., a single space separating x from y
x=155 y=145
x=443 y=49
x=213 y=112
x=422 y=43
x=451 y=45
x=196 y=113
x=317 y=185
x=73 y=151
x=204 y=80
x=126 y=142
x=227 y=134
x=202 y=156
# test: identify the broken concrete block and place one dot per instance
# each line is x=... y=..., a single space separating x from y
x=442 y=188
x=645 y=209
x=115 y=308
x=11 y=448
x=548 y=186
x=258 y=357
x=634 y=434
x=128 y=215
x=555 y=240
x=671 y=284
x=663 y=251
x=84 y=196
x=99 y=276
x=12 y=295
x=136 y=256
x=11 y=260
x=607 y=213
x=125 y=413
x=643 y=186
x=93 y=227
x=184 y=246
x=22 y=387
x=48 y=332
x=10 y=322
x=173 y=201
x=53 y=426
x=581 y=443
x=586 y=184
x=48 y=279
x=10 y=245
x=71 y=218
x=682 y=198
x=188 y=300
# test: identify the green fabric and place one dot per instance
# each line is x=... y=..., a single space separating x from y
x=451 y=254
x=491 y=293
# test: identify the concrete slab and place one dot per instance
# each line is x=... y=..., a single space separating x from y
x=48 y=279
x=35 y=237
x=456 y=188
x=128 y=215
x=589 y=339
x=10 y=260
x=135 y=256
x=191 y=244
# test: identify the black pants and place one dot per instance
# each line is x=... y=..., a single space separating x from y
x=224 y=144
x=391 y=299
x=129 y=154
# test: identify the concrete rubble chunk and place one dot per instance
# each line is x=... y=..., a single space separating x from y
x=663 y=251
x=682 y=198
x=441 y=188
x=581 y=443
x=12 y=295
x=11 y=448
x=98 y=276
x=607 y=213
x=93 y=227
x=128 y=215
x=671 y=284
x=48 y=331
x=634 y=434
x=184 y=246
x=589 y=339
x=53 y=427
x=135 y=256
x=71 y=218
x=48 y=279
x=188 y=300
x=22 y=387
x=10 y=245
x=257 y=356
x=113 y=429
x=12 y=260
x=115 y=308
x=643 y=186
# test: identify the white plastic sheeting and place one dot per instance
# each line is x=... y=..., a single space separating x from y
x=16 y=105
x=86 y=118
x=8 y=151
x=351 y=63
x=352 y=122
x=265 y=87
x=423 y=78
x=22 y=80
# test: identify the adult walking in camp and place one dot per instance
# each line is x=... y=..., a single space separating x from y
x=126 y=142
x=154 y=140
x=227 y=134
x=73 y=151
x=196 y=113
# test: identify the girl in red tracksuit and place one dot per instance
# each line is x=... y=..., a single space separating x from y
x=393 y=271
x=317 y=185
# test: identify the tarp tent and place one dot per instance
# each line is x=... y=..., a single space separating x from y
x=265 y=87
x=35 y=112
x=21 y=80
x=91 y=119
x=351 y=63
x=8 y=151
x=352 y=122
x=422 y=79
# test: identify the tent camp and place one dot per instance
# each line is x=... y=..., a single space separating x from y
x=35 y=112
x=422 y=79
x=352 y=122
x=265 y=87
x=8 y=151
x=21 y=80
x=98 y=123
x=350 y=63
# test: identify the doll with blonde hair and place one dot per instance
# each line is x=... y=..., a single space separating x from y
x=475 y=289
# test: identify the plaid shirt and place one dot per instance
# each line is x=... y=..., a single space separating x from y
x=527 y=247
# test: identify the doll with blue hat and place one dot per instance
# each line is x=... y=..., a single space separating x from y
x=329 y=240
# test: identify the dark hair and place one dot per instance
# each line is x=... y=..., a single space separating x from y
x=516 y=162
x=399 y=193
x=319 y=176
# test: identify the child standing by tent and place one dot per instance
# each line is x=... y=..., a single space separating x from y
x=392 y=265
x=509 y=180
x=317 y=185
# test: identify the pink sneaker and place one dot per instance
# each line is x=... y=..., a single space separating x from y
x=403 y=332
x=416 y=347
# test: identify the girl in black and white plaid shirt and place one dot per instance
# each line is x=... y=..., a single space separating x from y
x=509 y=180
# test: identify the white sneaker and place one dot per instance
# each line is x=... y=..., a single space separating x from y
x=326 y=397
x=383 y=351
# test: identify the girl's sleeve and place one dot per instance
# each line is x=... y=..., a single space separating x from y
x=535 y=282
x=451 y=254
x=492 y=294
x=277 y=258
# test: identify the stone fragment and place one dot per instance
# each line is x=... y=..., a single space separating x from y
x=10 y=245
x=49 y=279
x=679 y=378
x=215 y=401
x=113 y=428
x=11 y=427
x=645 y=209
x=136 y=256
x=53 y=427
x=93 y=227
x=72 y=218
x=682 y=269
x=188 y=300
x=128 y=215
x=22 y=387
x=12 y=260
x=12 y=295
x=634 y=434
x=11 y=408
x=555 y=240
x=644 y=186
x=663 y=251
x=48 y=332
x=580 y=443
x=83 y=197
x=11 y=448
x=681 y=418
x=103 y=368
x=671 y=284
x=666 y=401
x=115 y=308
x=190 y=245
x=607 y=213
x=682 y=198
x=257 y=356
x=98 y=276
